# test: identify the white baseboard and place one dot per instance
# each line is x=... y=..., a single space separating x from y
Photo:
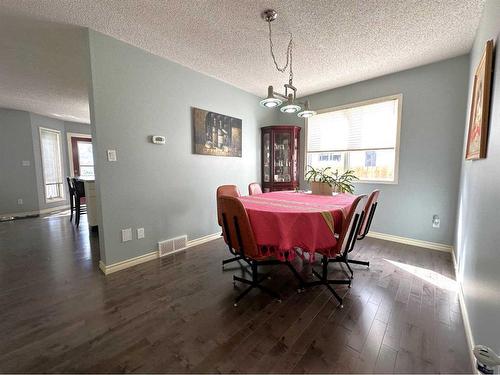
x=412 y=241
x=107 y=269
x=127 y=263
x=35 y=212
x=465 y=316
x=204 y=239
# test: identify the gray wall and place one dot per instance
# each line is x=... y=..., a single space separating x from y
x=20 y=140
x=76 y=127
x=477 y=245
x=166 y=189
x=16 y=181
x=432 y=124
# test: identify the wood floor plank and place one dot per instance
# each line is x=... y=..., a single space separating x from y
x=175 y=314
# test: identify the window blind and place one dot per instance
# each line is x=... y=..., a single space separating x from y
x=365 y=127
x=51 y=162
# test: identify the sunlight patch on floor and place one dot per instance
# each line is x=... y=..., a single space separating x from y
x=57 y=214
x=430 y=276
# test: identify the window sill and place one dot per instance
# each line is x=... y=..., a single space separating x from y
x=53 y=200
x=376 y=182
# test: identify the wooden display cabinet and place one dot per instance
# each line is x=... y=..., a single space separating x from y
x=280 y=157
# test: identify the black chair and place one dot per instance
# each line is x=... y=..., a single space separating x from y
x=240 y=239
x=368 y=213
x=345 y=244
x=232 y=191
x=79 y=199
x=71 y=189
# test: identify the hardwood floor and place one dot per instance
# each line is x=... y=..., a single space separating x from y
x=61 y=314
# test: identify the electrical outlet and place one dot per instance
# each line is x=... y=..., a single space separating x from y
x=20 y=201
x=140 y=233
x=126 y=234
x=436 y=221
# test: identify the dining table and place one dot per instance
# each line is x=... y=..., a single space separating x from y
x=283 y=221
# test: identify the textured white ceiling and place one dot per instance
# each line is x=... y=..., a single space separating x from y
x=336 y=42
x=43 y=68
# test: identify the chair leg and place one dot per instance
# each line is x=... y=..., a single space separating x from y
x=362 y=262
x=77 y=218
x=254 y=283
x=323 y=280
x=346 y=261
x=71 y=207
x=243 y=294
x=230 y=260
x=302 y=283
x=350 y=269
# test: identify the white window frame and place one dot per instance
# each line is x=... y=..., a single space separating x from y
x=399 y=98
x=58 y=132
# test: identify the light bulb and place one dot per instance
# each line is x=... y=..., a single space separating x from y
x=290 y=107
x=271 y=101
x=306 y=112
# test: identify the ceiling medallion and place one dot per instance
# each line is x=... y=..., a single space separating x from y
x=289 y=99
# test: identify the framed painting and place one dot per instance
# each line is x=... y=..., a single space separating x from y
x=216 y=134
x=480 y=107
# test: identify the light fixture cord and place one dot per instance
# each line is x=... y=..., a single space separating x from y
x=289 y=54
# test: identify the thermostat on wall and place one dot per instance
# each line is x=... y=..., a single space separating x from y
x=158 y=139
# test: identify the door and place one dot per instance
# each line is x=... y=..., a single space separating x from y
x=83 y=157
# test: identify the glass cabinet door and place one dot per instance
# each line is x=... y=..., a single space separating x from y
x=282 y=160
x=267 y=156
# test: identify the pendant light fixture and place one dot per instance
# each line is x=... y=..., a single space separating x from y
x=289 y=99
x=306 y=112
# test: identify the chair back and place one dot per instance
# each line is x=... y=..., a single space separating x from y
x=71 y=188
x=236 y=227
x=350 y=226
x=225 y=190
x=371 y=205
x=79 y=188
x=254 y=189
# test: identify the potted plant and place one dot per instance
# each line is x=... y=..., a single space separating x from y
x=324 y=181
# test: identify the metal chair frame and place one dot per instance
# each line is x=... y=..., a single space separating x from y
x=257 y=278
x=323 y=277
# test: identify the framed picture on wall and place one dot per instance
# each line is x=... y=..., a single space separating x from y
x=480 y=106
x=216 y=134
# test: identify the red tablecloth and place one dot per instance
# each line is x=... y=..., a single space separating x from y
x=283 y=221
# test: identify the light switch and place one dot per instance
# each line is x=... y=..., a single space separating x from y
x=112 y=155
x=25 y=163
x=126 y=234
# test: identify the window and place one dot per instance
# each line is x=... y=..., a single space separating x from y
x=363 y=137
x=50 y=144
x=85 y=159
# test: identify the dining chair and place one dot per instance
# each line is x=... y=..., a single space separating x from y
x=345 y=243
x=231 y=191
x=71 y=190
x=80 y=200
x=370 y=207
x=364 y=228
x=254 y=189
x=239 y=236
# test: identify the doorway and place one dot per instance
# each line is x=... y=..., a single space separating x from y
x=81 y=155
